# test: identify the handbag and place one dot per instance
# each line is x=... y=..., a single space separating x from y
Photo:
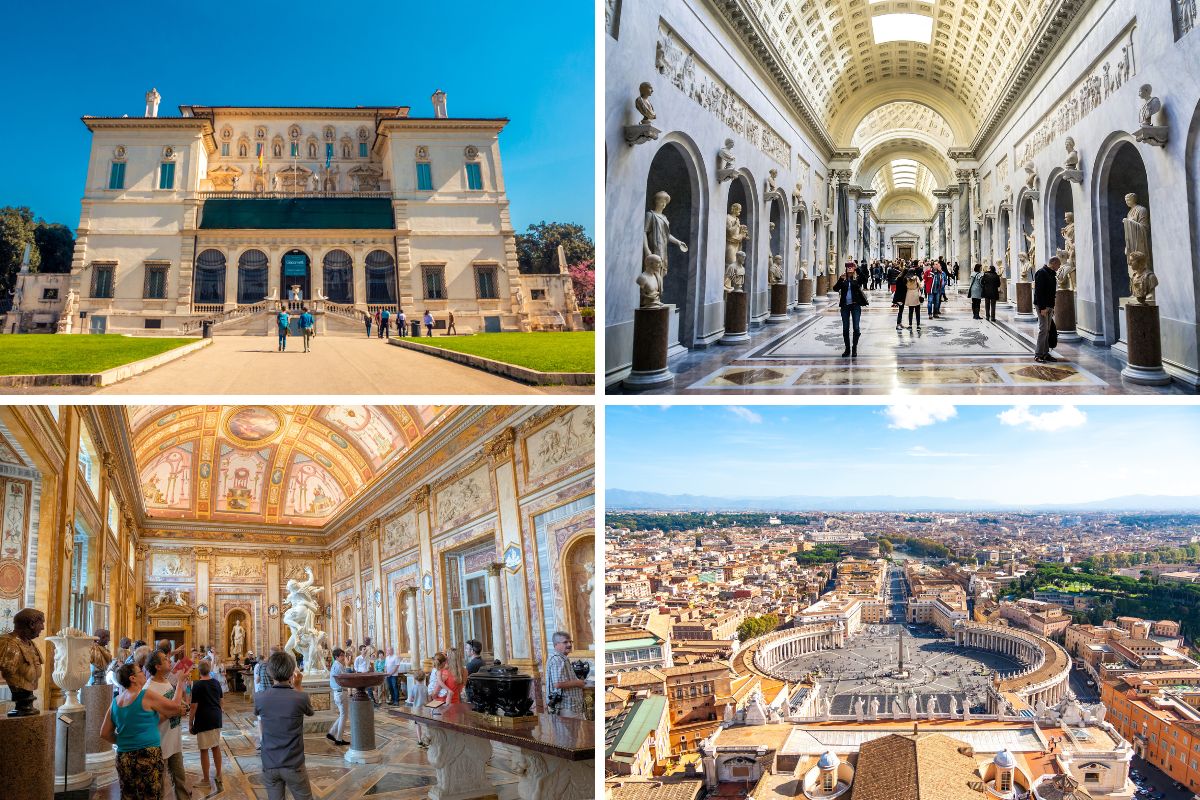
x=1053 y=338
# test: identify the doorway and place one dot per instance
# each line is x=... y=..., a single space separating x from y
x=294 y=276
x=905 y=252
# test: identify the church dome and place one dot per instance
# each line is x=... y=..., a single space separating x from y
x=828 y=761
x=1004 y=760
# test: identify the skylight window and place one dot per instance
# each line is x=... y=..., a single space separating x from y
x=902 y=28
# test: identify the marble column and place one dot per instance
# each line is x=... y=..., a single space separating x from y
x=204 y=631
x=427 y=632
x=508 y=512
x=231 y=282
x=274 y=626
x=359 y=271
x=360 y=629
x=410 y=625
x=374 y=545
x=496 y=601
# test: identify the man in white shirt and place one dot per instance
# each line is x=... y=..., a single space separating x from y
x=391 y=666
x=362 y=663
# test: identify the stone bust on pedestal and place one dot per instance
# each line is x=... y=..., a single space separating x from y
x=20 y=660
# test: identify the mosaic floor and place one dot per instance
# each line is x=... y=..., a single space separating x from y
x=953 y=354
x=404 y=774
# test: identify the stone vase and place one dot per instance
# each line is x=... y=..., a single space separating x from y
x=72 y=664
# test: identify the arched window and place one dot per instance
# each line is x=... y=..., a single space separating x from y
x=381 y=277
x=210 y=277
x=252 y=277
x=339 y=276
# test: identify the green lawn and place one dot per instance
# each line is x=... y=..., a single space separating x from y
x=570 y=351
x=51 y=354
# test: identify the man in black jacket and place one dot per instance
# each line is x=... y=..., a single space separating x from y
x=1044 y=288
x=851 y=300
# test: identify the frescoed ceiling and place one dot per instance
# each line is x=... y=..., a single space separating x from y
x=289 y=465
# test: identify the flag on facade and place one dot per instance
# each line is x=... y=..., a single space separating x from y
x=260 y=154
x=328 y=154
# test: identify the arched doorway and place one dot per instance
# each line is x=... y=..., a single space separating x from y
x=252 y=277
x=1062 y=202
x=1121 y=172
x=210 y=277
x=294 y=275
x=741 y=192
x=673 y=171
x=381 y=278
x=338 y=275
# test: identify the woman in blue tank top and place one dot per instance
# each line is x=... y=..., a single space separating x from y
x=132 y=725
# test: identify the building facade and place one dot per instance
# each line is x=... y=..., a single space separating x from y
x=224 y=212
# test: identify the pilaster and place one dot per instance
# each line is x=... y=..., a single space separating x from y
x=203 y=595
x=425 y=599
x=515 y=599
x=274 y=626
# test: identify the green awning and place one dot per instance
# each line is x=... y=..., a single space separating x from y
x=641 y=722
x=373 y=213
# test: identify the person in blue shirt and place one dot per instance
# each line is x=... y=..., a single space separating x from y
x=401 y=323
x=384 y=320
x=428 y=323
x=282 y=321
x=367 y=322
x=306 y=327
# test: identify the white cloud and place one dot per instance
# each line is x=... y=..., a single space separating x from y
x=745 y=414
x=910 y=416
x=924 y=452
x=1064 y=418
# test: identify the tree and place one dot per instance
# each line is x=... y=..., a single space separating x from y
x=885 y=546
x=537 y=248
x=16 y=230
x=56 y=244
x=583 y=278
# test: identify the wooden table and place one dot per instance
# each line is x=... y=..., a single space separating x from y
x=557 y=755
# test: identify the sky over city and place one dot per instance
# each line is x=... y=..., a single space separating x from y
x=1020 y=454
x=533 y=64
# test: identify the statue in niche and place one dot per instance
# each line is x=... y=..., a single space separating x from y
x=775 y=270
x=1151 y=105
x=1031 y=248
x=1072 y=162
x=725 y=162
x=237 y=640
x=650 y=282
x=1066 y=272
x=735 y=233
x=657 y=235
x=21 y=660
x=1026 y=271
x=803 y=272
x=772 y=177
x=99 y=657
x=1137 y=228
x=643 y=104
x=735 y=273
x=1142 y=281
x=1030 y=176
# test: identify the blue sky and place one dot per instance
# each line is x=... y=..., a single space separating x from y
x=531 y=62
x=1026 y=454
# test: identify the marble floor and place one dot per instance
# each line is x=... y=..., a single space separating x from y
x=404 y=773
x=952 y=354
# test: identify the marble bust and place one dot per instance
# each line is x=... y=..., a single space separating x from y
x=1142 y=282
x=1150 y=107
x=650 y=282
x=1072 y=162
x=1026 y=270
x=643 y=105
x=99 y=656
x=1030 y=176
x=775 y=270
x=735 y=273
x=21 y=661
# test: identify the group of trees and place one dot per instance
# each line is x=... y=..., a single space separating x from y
x=694 y=520
x=53 y=245
x=917 y=546
x=757 y=626
x=820 y=554
x=537 y=253
x=1103 y=562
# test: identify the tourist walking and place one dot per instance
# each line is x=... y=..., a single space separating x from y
x=937 y=292
x=975 y=291
x=282 y=321
x=307 y=327
x=205 y=720
x=401 y=323
x=419 y=695
x=385 y=319
x=991 y=292
x=1045 y=285
x=851 y=300
x=428 y=323
x=450 y=324
x=170 y=730
x=340 y=664
x=367 y=322
x=282 y=709
x=908 y=295
x=131 y=723
x=391 y=667
x=956 y=268
x=379 y=324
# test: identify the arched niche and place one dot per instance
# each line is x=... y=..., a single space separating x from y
x=777 y=215
x=675 y=170
x=578 y=567
x=1060 y=201
x=741 y=191
x=231 y=617
x=1119 y=171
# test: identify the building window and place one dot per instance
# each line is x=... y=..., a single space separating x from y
x=537 y=294
x=153 y=325
x=381 y=278
x=362 y=149
x=49 y=294
x=485 y=283
x=166 y=175
x=474 y=177
x=102 y=280
x=295 y=149
x=435 y=282
x=156 y=283
x=252 y=277
x=225 y=149
x=210 y=277
x=1091 y=777
x=424 y=177
x=827 y=781
x=473 y=617
x=116 y=175
x=339 y=276
x=1006 y=781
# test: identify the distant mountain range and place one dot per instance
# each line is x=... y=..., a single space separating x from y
x=626 y=500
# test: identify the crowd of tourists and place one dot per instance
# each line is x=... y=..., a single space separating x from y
x=383 y=322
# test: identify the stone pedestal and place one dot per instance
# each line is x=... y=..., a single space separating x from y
x=1064 y=316
x=98 y=754
x=70 y=751
x=1145 y=345
x=822 y=284
x=650 y=339
x=1003 y=291
x=27 y=768
x=779 y=302
x=1025 y=301
x=362 y=732
x=460 y=763
x=805 y=291
x=737 y=318
x=318 y=691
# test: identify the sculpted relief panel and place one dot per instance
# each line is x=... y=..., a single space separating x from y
x=564 y=439
x=1113 y=70
x=400 y=534
x=343 y=563
x=468 y=497
x=690 y=75
x=173 y=565
x=239 y=569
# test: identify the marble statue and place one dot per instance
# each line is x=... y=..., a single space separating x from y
x=311 y=644
x=1150 y=107
x=162 y=597
x=1142 y=280
x=897 y=710
x=1072 y=162
x=966 y=715
x=931 y=706
x=725 y=157
x=874 y=707
x=657 y=236
x=727 y=717
x=772 y=177
x=237 y=640
x=1030 y=176
x=803 y=271
x=99 y=657
x=650 y=282
x=775 y=270
x=1137 y=228
x=302 y=614
x=735 y=273
x=21 y=660
x=1031 y=249
x=913 y=706
x=735 y=233
x=1066 y=272
x=1026 y=271
x=643 y=105
x=859 y=710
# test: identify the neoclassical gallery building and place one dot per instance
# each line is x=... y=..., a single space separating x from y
x=968 y=129
x=422 y=527
x=221 y=212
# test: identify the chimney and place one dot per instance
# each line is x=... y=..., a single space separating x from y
x=439 y=104
x=152 y=98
